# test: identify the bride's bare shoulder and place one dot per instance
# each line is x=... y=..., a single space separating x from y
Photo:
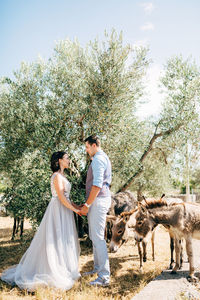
x=56 y=176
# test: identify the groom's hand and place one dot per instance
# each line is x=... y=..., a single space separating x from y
x=84 y=210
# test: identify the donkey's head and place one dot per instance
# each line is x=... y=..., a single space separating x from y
x=144 y=220
x=120 y=232
x=143 y=223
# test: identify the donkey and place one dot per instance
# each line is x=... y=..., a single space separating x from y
x=122 y=201
x=127 y=220
x=183 y=219
x=120 y=235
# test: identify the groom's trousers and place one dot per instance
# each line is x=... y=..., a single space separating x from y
x=97 y=222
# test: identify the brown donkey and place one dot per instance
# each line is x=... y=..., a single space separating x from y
x=126 y=221
x=121 y=233
x=183 y=219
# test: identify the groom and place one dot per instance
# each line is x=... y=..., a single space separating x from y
x=96 y=207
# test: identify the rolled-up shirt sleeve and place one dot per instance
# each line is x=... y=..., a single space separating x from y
x=98 y=169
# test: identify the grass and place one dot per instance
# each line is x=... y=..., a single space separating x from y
x=126 y=280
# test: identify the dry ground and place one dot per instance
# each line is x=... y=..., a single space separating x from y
x=126 y=280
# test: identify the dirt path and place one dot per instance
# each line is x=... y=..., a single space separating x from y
x=174 y=287
x=126 y=278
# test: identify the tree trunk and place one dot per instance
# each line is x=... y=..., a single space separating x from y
x=144 y=155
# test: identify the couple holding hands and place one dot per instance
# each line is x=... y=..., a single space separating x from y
x=53 y=255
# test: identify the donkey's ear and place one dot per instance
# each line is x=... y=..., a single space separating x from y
x=110 y=218
x=143 y=208
x=127 y=213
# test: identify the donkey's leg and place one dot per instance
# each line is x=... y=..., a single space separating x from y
x=189 y=250
x=181 y=253
x=152 y=244
x=144 y=246
x=172 y=252
x=177 y=249
x=140 y=254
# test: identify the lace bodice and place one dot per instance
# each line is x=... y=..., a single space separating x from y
x=67 y=185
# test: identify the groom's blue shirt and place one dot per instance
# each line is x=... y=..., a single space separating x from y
x=99 y=174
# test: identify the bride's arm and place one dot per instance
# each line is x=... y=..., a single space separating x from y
x=59 y=187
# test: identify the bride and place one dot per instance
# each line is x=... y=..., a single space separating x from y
x=52 y=257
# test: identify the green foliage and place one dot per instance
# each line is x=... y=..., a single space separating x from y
x=181 y=111
x=2 y=188
x=55 y=105
x=166 y=147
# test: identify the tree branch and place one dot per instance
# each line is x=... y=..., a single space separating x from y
x=146 y=152
x=80 y=123
x=73 y=168
x=163 y=153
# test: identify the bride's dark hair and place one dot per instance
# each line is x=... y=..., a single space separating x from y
x=55 y=160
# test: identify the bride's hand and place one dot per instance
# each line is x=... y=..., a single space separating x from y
x=77 y=211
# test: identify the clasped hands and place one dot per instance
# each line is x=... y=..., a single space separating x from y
x=82 y=210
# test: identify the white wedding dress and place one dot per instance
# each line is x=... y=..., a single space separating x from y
x=52 y=257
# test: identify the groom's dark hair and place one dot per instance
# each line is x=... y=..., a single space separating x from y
x=93 y=139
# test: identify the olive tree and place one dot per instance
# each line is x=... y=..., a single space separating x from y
x=55 y=105
x=177 y=124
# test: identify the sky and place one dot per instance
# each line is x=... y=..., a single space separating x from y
x=29 y=28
